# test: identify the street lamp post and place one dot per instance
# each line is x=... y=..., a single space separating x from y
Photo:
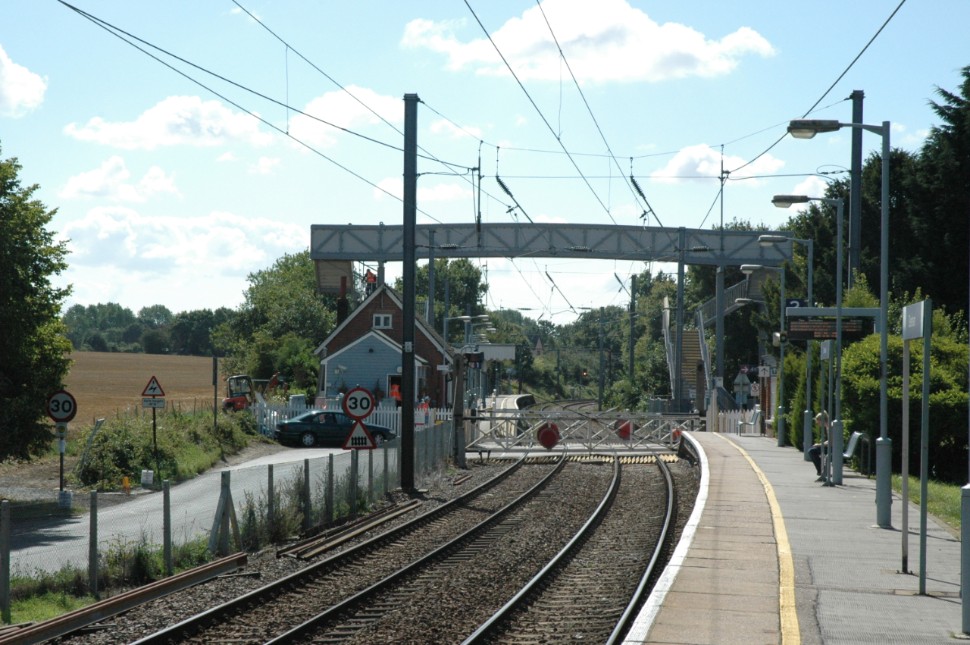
x=806 y=129
x=807 y=414
x=748 y=269
x=784 y=201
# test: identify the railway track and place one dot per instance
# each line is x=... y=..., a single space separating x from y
x=263 y=614
x=592 y=589
x=443 y=596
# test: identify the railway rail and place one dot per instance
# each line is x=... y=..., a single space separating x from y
x=261 y=615
x=448 y=592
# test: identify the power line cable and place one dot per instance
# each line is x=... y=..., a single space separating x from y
x=832 y=86
x=539 y=112
x=124 y=36
x=589 y=109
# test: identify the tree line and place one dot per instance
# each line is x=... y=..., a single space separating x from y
x=110 y=327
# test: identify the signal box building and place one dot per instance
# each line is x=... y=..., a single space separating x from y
x=365 y=350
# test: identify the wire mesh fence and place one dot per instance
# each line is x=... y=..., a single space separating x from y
x=271 y=501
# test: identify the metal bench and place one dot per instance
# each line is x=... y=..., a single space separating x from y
x=754 y=423
x=851 y=446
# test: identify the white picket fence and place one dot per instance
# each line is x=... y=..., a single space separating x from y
x=736 y=422
x=268 y=415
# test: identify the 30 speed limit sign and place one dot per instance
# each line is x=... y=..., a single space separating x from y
x=61 y=406
x=358 y=403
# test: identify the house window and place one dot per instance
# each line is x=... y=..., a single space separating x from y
x=382 y=321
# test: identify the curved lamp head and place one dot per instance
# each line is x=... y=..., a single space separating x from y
x=748 y=269
x=784 y=201
x=808 y=128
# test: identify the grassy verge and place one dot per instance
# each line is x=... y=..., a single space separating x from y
x=943 y=500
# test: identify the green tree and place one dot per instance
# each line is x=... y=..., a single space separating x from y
x=155 y=316
x=281 y=304
x=33 y=346
x=941 y=185
x=459 y=279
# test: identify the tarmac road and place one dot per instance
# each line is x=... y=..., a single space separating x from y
x=52 y=544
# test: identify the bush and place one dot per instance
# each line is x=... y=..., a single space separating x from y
x=948 y=401
x=187 y=444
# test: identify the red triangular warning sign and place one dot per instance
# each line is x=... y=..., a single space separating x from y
x=154 y=388
x=359 y=438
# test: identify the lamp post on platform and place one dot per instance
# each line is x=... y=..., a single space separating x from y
x=806 y=129
x=785 y=201
x=771 y=240
x=748 y=269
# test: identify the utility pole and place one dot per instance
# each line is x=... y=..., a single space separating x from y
x=633 y=313
x=407 y=331
x=602 y=375
x=855 y=189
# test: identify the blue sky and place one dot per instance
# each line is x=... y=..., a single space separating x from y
x=172 y=192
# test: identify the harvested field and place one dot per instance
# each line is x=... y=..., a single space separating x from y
x=106 y=384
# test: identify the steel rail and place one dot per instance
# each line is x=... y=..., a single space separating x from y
x=86 y=616
x=647 y=579
x=194 y=624
x=491 y=626
x=355 y=602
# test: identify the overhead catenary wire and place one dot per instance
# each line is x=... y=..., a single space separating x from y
x=589 y=109
x=124 y=36
x=539 y=112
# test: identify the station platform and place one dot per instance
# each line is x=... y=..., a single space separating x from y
x=776 y=557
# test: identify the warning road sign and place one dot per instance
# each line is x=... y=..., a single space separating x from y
x=154 y=388
x=359 y=438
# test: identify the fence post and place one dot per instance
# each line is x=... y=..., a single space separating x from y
x=370 y=476
x=328 y=495
x=93 y=546
x=306 y=494
x=353 y=483
x=270 y=497
x=167 y=528
x=5 y=561
x=386 y=473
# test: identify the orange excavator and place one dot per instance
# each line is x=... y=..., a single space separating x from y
x=240 y=393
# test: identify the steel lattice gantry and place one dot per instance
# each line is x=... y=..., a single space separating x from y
x=383 y=243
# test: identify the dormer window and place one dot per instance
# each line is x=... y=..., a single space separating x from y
x=382 y=321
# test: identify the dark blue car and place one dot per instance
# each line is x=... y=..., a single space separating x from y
x=325 y=428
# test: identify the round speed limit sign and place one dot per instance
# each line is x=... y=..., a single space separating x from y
x=61 y=406
x=358 y=403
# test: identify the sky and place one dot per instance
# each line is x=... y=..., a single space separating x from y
x=180 y=167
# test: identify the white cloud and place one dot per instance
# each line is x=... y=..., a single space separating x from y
x=123 y=240
x=344 y=111
x=265 y=166
x=604 y=41
x=176 y=120
x=21 y=90
x=702 y=162
x=226 y=156
x=111 y=181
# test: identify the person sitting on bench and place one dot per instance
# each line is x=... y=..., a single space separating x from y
x=815 y=452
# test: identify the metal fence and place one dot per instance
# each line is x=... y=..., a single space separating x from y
x=323 y=490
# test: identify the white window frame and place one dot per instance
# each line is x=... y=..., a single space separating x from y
x=383 y=321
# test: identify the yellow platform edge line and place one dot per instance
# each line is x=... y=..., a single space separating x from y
x=787 y=612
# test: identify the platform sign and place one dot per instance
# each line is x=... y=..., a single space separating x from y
x=359 y=438
x=61 y=406
x=826 y=328
x=358 y=403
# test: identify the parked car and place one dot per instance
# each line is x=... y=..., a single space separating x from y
x=325 y=428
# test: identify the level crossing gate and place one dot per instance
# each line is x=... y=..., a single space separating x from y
x=609 y=430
